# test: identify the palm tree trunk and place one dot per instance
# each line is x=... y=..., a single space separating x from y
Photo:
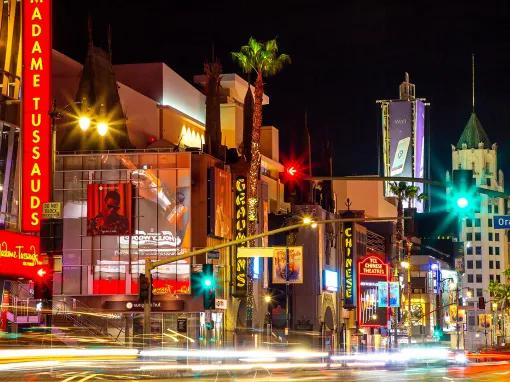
x=253 y=178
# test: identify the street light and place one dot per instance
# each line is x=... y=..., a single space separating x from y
x=84 y=123
x=102 y=128
x=267 y=298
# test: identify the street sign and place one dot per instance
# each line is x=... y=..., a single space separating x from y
x=213 y=255
x=52 y=210
x=182 y=325
x=221 y=304
x=255 y=251
x=502 y=222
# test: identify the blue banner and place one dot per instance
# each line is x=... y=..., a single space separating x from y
x=382 y=294
x=394 y=294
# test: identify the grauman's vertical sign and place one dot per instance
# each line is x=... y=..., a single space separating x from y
x=241 y=231
x=349 y=265
x=36 y=125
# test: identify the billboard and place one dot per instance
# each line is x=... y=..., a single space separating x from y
x=290 y=271
x=36 y=104
x=240 y=231
x=109 y=209
x=419 y=149
x=401 y=131
x=349 y=265
x=220 y=203
x=20 y=255
x=371 y=271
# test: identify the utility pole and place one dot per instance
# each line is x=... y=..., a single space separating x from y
x=409 y=326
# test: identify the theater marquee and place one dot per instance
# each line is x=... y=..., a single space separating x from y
x=36 y=125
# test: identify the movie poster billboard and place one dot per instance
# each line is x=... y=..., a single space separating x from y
x=371 y=270
x=290 y=271
x=220 y=203
x=401 y=146
x=109 y=209
x=163 y=228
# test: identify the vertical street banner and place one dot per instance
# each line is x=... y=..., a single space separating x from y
x=394 y=294
x=401 y=133
x=36 y=104
x=371 y=271
x=240 y=230
x=382 y=294
x=288 y=272
x=349 y=265
x=419 y=148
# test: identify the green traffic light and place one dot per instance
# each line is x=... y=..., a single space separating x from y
x=462 y=202
x=207 y=282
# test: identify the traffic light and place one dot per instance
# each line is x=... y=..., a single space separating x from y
x=438 y=332
x=463 y=193
x=43 y=286
x=144 y=288
x=208 y=286
x=294 y=184
x=481 y=303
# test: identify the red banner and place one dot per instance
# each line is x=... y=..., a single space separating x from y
x=20 y=256
x=36 y=124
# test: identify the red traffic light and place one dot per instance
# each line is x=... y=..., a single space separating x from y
x=41 y=272
x=292 y=171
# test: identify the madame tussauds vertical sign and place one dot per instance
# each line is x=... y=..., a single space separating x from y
x=36 y=127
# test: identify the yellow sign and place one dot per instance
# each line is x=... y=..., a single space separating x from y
x=52 y=210
x=257 y=251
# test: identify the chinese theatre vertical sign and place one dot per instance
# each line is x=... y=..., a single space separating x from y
x=36 y=125
x=241 y=230
x=349 y=265
x=372 y=275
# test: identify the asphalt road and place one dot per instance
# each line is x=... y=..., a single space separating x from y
x=131 y=370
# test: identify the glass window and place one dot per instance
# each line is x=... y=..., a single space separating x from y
x=497 y=250
x=491 y=251
x=479 y=292
x=478 y=250
x=478 y=236
x=470 y=278
x=469 y=223
x=496 y=236
x=498 y=278
x=491 y=264
x=489 y=222
x=478 y=264
x=489 y=209
x=470 y=264
x=497 y=265
x=491 y=277
x=469 y=250
x=496 y=209
x=477 y=222
x=479 y=278
x=469 y=236
x=490 y=236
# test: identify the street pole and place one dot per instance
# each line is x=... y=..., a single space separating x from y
x=409 y=334
x=287 y=326
x=457 y=316
x=147 y=305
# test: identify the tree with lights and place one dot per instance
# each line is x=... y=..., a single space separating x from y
x=264 y=59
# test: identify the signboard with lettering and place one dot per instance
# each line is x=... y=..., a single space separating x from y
x=349 y=265
x=52 y=210
x=502 y=222
x=36 y=124
x=220 y=303
x=182 y=325
x=240 y=230
x=20 y=255
x=371 y=271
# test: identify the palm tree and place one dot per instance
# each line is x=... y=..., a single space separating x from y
x=501 y=291
x=263 y=59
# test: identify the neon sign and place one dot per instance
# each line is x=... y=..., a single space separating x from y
x=20 y=256
x=371 y=271
x=349 y=266
x=36 y=127
x=241 y=230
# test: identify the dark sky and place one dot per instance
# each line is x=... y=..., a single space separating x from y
x=346 y=55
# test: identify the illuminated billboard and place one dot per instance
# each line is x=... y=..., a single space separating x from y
x=220 y=203
x=109 y=209
x=371 y=271
x=288 y=270
x=36 y=104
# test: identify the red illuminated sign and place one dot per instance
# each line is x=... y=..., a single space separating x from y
x=371 y=270
x=20 y=256
x=36 y=125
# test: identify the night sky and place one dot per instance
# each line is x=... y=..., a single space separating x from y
x=345 y=57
